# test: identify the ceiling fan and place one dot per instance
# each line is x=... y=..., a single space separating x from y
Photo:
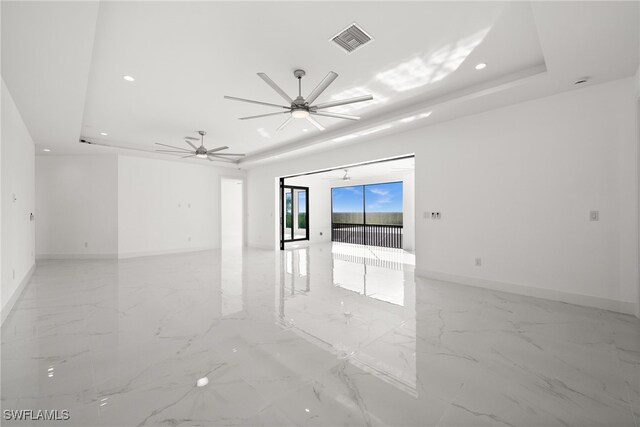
x=345 y=177
x=303 y=108
x=200 y=152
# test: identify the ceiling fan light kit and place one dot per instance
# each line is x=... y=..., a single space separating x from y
x=215 y=154
x=300 y=107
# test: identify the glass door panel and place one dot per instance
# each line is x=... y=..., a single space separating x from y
x=288 y=213
x=300 y=210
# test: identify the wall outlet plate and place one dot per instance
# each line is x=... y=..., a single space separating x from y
x=594 y=216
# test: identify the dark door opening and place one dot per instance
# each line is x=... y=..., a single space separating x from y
x=294 y=213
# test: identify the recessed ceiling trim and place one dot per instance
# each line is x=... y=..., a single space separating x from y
x=473 y=92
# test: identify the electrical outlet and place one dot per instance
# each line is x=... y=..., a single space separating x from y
x=86 y=244
x=321 y=233
x=189 y=239
x=478 y=262
x=594 y=216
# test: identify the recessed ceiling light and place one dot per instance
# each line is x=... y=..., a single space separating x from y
x=128 y=78
x=202 y=382
x=46 y=150
x=104 y=133
x=305 y=130
x=480 y=66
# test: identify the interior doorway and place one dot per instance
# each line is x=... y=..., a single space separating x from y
x=370 y=203
x=231 y=212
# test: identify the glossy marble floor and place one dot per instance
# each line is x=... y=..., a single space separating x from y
x=321 y=336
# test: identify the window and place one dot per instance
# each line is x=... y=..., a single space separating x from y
x=368 y=214
x=383 y=203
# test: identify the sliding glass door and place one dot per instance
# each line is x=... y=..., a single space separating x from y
x=368 y=214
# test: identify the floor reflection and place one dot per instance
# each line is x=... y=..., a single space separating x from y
x=324 y=335
x=365 y=310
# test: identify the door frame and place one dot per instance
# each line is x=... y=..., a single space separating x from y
x=283 y=186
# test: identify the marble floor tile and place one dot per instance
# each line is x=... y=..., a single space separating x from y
x=322 y=335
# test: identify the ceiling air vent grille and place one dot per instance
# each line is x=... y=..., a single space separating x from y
x=352 y=38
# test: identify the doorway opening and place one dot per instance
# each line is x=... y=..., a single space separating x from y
x=231 y=212
x=370 y=203
x=294 y=213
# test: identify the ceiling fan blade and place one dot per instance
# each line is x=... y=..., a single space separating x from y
x=335 y=115
x=191 y=144
x=315 y=123
x=322 y=86
x=282 y=126
x=275 y=87
x=192 y=155
x=343 y=102
x=230 y=154
x=213 y=150
x=263 y=115
x=233 y=98
x=173 y=146
x=218 y=159
x=174 y=151
x=193 y=138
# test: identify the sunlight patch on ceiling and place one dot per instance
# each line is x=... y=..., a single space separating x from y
x=416 y=117
x=420 y=71
x=264 y=133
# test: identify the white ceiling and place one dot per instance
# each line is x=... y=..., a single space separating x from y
x=66 y=73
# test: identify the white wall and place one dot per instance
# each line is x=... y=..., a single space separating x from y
x=109 y=206
x=18 y=231
x=231 y=211
x=76 y=206
x=515 y=186
x=166 y=206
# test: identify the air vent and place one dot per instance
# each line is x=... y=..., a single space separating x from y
x=352 y=38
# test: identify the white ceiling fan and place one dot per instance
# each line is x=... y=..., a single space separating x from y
x=200 y=152
x=303 y=108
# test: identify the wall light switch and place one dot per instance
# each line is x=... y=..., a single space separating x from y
x=594 y=216
x=433 y=215
x=437 y=215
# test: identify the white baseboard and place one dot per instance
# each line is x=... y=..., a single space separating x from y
x=76 y=256
x=550 y=294
x=126 y=255
x=17 y=293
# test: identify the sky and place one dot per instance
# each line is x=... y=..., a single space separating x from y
x=378 y=198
